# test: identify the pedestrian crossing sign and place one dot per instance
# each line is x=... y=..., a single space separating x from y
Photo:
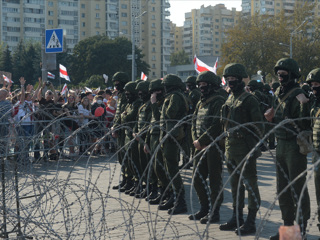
x=54 y=40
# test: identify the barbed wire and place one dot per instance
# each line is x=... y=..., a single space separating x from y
x=71 y=196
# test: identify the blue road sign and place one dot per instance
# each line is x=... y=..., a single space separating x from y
x=54 y=40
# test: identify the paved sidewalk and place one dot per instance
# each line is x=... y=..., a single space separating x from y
x=75 y=200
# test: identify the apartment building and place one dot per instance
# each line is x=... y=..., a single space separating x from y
x=176 y=36
x=147 y=21
x=250 y=7
x=203 y=29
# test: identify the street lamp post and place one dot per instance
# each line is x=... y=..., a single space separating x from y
x=133 y=40
x=291 y=36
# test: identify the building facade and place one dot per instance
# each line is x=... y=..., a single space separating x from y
x=203 y=30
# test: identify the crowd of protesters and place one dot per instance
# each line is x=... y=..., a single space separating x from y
x=45 y=124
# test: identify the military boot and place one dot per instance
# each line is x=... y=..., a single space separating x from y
x=133 y=188
x=233 y=222
x=204 y=209
x=249 y=225
x=180 y=206
x=169 y=203
x=128 y=185
x=158 y=198
x=152 y=191
x=277 y=236
x=212 y=219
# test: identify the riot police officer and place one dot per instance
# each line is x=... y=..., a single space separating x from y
x=241 y=108
x=119 y=79
x=206 y=127
x=313 y=79
x=290 y=103
x=174 y=109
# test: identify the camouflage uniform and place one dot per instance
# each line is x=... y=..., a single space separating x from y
x=144 y=117
x=289 y=161
x=152 y=140
x=175 y=107
x=206 y=127
x=193 y=96
x=242 y=108
x=128 y=121
x=122 y=78
x=314 y=76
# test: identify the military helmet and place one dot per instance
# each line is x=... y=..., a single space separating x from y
x=275 y=85
x=267 y=87
x=172 y=80
x=260 y=86
x=143 y=86
x=131 y=87
x=155 y=85
x=288 y=64
x=121 y=77
x=208 y=77
x=191 y=80
x=235 y=70
x=254 y=84
x=314 y=76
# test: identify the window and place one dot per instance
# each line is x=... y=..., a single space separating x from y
x=124 y=6
x=83 y=24
x=50 y=22
x=83 y=15
x=97 y=15
x=124 y=23
x=153 y=25
x=83 y=6
x=50 y=4
x=153 y=17
x=50 y=13
x=97 y=7
x=97 y=33
x=153 y=57
x=124 y=14
x=83 y=33
x=97 y=24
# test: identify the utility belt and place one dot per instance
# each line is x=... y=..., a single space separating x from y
x=235 y=134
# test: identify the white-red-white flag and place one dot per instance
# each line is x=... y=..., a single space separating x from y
x=7 y=79
x=201 y=66
x=143 y=76
x=215 y=66
x=64 y=89
x=50 y=75
x=88 y=89
x=223 y=81
x=64 y=73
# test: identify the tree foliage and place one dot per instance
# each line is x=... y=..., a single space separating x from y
x=256 y=41
x=6 y=60
x=100 y=55
x=179 y=58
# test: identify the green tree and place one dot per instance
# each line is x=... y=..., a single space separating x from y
x=179 y=58
x=6 y=60
x=94 y=81
x=255 y=41
x=19 y=59
x=100 y=55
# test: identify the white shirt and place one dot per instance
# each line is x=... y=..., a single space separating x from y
x=85 y=112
